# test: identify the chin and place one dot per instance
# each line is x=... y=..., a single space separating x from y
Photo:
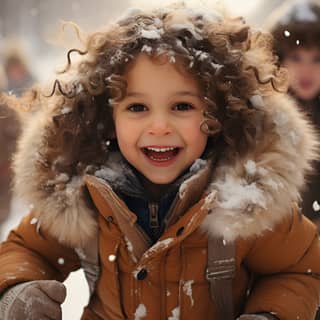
x=307 y=95
x=161 y=180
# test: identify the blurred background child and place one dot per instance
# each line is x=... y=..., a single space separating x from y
x=296 y=29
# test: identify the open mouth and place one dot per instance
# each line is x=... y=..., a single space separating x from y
x=161 y=154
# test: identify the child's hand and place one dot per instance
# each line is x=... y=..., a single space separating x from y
x=33 y=300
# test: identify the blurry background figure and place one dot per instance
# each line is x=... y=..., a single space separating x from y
x=19 y=77
x=296 y=28
x=9 y=129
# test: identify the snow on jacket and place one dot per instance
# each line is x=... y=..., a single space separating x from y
x=251 y=202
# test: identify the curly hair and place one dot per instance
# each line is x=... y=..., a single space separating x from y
x=295 y=26
x=231 y=62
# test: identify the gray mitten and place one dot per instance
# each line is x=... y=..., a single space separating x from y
x=34 y=300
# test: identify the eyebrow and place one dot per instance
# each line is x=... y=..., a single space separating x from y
x=178 y=93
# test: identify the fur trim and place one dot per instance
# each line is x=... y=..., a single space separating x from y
x=245 y=197
x=64 y=212
x=256 y=192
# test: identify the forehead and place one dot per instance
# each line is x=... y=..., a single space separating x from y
x=303 y=51
x=147 y=70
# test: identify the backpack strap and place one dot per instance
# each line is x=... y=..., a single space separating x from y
x=220 y=273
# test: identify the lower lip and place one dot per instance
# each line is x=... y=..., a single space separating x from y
x=162 y=163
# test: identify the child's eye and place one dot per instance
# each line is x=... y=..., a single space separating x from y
x=183 y=106
x=137 y=107
x=295 y=58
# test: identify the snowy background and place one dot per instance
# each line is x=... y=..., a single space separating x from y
x=34 y=24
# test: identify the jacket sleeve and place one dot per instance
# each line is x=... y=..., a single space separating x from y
x=30 y=254
x=286 y=265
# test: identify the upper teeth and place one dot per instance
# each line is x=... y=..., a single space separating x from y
x=160 y=149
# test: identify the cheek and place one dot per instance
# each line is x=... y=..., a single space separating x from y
x=293 y=72
x=123 y=131
x=196 y=137
x=317 y=75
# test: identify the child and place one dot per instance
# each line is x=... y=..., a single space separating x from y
x=167 y=165
x=296 y=28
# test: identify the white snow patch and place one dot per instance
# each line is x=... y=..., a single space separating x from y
x=129 y=244
x=216 y=66
x=175 y=314
x=161 y=245
x=73 y=186
x=141 y=312
x=172 y=59
x=209 y=201
x=257 y=101
x=197 y=165
x=130 y=248
x=107 y=174
x=151 y=34
x=146 y=49
x=33 y=221
x=273 y=184
x=187 y=289
x=66 y=110
x=201 y=55
x=315 y=206
x=62 y=177
x=250 y=167
x=236 y=193
x=186 y=26
x=79 y=88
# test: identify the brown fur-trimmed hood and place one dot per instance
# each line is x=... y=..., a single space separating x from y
x=245 y=197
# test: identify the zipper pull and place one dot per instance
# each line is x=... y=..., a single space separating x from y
x=153 y=215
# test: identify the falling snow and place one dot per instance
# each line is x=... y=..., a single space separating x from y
x=33 y=221
x=316 y=206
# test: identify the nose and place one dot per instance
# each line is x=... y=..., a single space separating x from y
x=159 y=125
